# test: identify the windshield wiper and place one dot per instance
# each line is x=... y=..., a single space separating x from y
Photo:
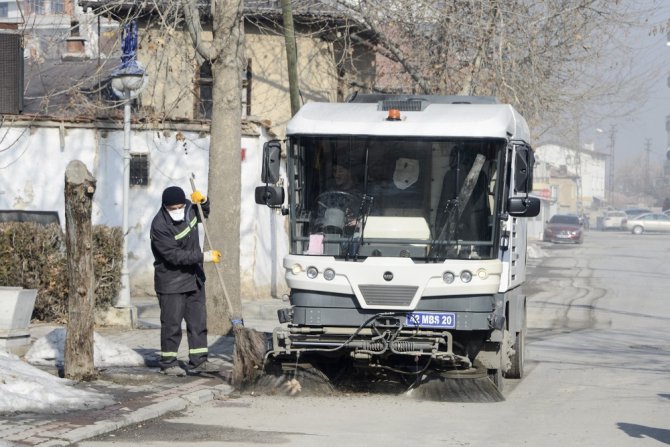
x=361 y=219
x=454 y=208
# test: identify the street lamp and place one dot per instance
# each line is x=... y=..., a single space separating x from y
x=127 y=82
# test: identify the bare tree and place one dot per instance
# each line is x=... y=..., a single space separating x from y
x=170 y=93
x=225 y=52
x=79 y=189
x=550 y=59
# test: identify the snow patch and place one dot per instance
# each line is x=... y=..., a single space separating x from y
x=49 y=351
x=24 y=388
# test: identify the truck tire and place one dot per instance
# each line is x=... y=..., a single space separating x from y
x=518 y=358
x=496 y=375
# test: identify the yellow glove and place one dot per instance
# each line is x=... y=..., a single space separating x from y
x=212 y=256
x=197 y=197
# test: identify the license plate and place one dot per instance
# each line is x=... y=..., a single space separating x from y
x=431 y=319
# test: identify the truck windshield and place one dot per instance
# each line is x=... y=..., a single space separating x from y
x=355 y=197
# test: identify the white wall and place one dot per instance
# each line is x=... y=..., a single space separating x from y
x=32 y=168
x=263 y=234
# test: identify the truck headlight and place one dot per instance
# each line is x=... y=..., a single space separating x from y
x=329 y=274
x=448 y=277
x=312 y=272
x=466 y=276
x=482 y=274
x=296 y=269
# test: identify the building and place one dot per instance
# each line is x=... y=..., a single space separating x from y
x=569 y=181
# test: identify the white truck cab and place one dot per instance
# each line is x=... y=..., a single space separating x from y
x=407 y=234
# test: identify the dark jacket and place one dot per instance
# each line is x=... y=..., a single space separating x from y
x=176 y=249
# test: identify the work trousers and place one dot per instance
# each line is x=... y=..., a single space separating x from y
x=175 y=307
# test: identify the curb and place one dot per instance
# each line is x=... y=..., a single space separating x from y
x=152 y=411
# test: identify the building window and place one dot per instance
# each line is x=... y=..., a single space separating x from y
x=139 y=170
x=204 y=102
x=57 y=7
x=4 y=10
x=47 y=6
x=204 y=99
x=36 y=6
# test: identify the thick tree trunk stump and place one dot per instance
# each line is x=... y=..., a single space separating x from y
x=79 y=189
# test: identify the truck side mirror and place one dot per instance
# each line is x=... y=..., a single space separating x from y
x=523 y=171
x=523 y=206
x=271 y=158
x=272 y=196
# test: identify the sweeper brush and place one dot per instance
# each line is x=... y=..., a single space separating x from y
x=456 y=386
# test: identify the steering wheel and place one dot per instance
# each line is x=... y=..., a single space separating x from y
x=334 y=210
x=336 y=199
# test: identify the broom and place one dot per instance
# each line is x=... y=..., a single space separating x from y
x=250 y=345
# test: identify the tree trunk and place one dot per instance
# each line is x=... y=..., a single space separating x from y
x=291 y=56
x=225 y=164
x=79 y=189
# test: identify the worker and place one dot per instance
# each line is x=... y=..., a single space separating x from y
x=179 y=279
x=344 y=194
x=343 y=178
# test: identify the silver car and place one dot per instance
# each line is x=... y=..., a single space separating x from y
x=650 y=222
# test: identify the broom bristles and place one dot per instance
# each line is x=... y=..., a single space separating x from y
x=250 y=349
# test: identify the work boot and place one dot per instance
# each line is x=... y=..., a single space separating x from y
x=205 y=367
x=173 y=371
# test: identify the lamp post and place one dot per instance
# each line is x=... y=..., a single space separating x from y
x=127 y=82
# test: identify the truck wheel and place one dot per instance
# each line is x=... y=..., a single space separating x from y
x=496 y=375
x=518 y=358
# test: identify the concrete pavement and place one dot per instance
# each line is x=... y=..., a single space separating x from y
x=139 y=393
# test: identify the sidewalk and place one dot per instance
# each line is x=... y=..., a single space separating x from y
x=139 y=393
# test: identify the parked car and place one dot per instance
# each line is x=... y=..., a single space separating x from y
x=613 y=220
x=564 y=228
x=650 y=222
x=633 y=212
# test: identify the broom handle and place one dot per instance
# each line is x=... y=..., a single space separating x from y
x=209 y=242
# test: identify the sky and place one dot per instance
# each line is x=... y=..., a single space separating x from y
x=27 y=388
x=650 y=54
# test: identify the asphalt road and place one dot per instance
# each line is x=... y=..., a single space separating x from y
x=598 y=373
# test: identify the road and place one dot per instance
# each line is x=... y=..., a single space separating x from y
x=598 y=373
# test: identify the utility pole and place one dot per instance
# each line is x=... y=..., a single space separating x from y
x=578 y=168
x=610 y=185
x=647 y=150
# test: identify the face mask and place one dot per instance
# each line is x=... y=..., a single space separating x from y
x=177 y=215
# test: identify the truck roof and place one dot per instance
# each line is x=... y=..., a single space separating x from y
x=458 y=120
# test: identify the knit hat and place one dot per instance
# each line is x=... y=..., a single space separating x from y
x=173 y=195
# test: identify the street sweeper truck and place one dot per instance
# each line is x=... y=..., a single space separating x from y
x=407 y=226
